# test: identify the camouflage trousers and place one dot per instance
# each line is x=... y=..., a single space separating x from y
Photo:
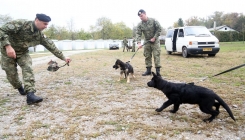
x=9 y=65
x=133 y=48
x=152 y=49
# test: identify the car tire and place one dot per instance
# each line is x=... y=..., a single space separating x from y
x=211 y=54
x=169 y=52
x=185 y=52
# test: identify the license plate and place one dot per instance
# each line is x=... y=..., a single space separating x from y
x=207 y=49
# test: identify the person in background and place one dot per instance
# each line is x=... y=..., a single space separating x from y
x=15 y=38
x=133 y=47
x=125 y=43
x=151 y=29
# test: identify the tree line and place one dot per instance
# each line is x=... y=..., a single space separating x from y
x=234 y=20
x=105 y=29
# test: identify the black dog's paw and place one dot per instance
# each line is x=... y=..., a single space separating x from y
x=172 y=111
x=158 y=110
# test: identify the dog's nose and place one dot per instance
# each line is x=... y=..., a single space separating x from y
x=150 y=84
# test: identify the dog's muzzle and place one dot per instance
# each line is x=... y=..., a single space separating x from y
x=151 y=84
x=115 y=66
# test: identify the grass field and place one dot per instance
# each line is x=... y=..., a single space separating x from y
x=85 y=100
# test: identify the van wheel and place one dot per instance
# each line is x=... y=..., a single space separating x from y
x=169 y=52
x=184 y=52
x=211 y=54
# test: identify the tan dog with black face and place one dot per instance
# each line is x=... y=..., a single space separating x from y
x=125 y=68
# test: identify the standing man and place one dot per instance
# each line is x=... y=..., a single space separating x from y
x=133 y=47
x=15 y=38
x=151 y=29
x=125 y=43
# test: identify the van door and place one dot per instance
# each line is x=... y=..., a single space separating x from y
x=168 y=40
x=174 y=38
x=180 y=40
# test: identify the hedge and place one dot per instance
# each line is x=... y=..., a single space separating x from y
x=229 y=36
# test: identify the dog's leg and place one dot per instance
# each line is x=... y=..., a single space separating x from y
x=121 y=76
x=217 y=105
x=209 y=110
x=176 y=108
x=128 y=79
x=132 y=75
x=165 y=105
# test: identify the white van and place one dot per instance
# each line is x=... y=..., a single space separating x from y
x=190 y=40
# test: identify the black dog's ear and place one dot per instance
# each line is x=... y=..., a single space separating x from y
x=153 y=74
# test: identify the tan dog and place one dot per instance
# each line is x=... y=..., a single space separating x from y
x=125 y=68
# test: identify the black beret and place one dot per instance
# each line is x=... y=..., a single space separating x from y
x=43 y=17
x=141 y=11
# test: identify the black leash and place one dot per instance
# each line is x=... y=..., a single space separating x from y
x=137 y=50
x=225 y=71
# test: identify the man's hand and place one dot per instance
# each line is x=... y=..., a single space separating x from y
x=67 y=60
x=153 y=39
x=139 y=46
x=10 y=51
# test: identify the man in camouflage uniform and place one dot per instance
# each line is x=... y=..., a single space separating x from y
x=15 y=38
x=133 y=47
x=125 y=43
x=151 y=29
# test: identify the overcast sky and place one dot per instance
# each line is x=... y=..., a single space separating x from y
x=86 y=12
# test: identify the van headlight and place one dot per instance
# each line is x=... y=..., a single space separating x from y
x=216 y=42
x=193 y=43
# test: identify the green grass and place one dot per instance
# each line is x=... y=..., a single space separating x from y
x=232 y=46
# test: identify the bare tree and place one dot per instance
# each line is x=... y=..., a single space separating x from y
x=71 y=28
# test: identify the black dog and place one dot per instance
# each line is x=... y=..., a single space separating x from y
x=125 y=68
x=128 y=48
x=178 y=93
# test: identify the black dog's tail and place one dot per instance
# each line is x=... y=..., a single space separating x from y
x=222 y=102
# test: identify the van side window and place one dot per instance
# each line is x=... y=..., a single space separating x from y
x=170 y=33
x=181 y=33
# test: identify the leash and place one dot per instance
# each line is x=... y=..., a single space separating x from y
x=231 y=69
x=137 y=50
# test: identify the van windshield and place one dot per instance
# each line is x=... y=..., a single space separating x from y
x=197 y=31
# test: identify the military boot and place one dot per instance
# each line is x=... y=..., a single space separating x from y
x=158 y=71
x=21 y=91
x=148 y=71
x=32 y=98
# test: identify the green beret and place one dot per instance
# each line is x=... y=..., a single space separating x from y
x=141 y=11
x=43 y=17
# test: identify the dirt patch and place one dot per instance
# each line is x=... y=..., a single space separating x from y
x=85 y=100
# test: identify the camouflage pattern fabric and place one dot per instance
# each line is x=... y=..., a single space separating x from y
x=133 y=47
x=125 y=43
x=10 y=66
x=152 y=49
x=21 y=34
x=151 y=28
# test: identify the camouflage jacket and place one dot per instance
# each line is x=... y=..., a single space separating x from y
x=125 y=41
x=21 y=34
x=151 y=28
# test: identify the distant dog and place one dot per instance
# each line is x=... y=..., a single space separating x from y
x=128 y=48
x=125 y=68
x=178 y=93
